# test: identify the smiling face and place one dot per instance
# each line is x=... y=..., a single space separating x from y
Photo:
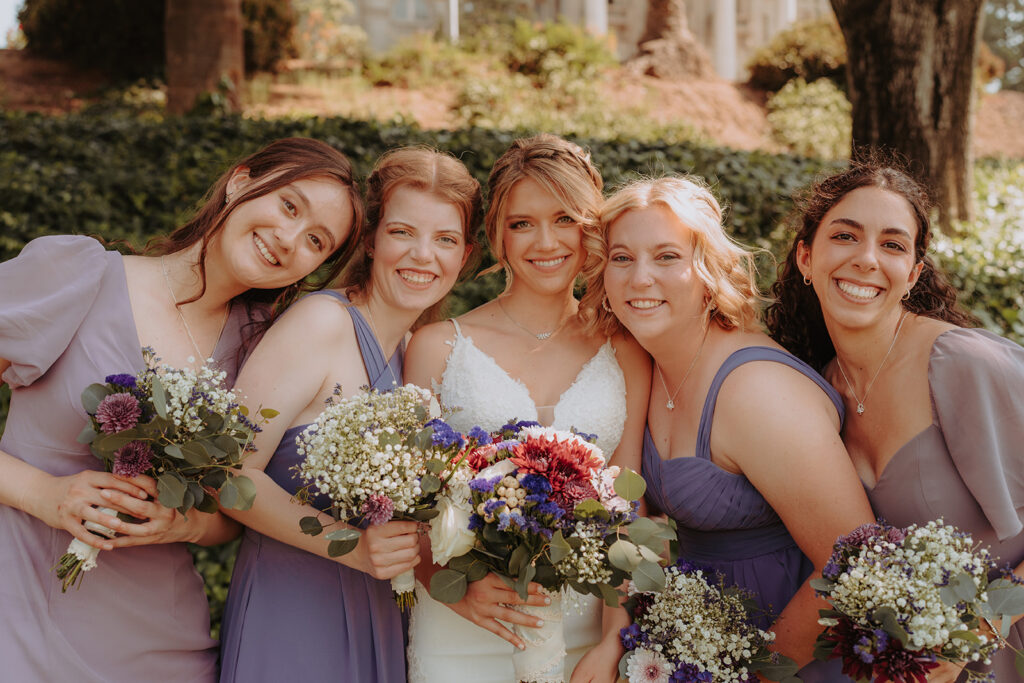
x=861 y=260
x=650 y=280
x=419 y=248
x=281 y=237
x=542 y=244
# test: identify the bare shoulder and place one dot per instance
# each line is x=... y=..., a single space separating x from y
x=629 y=353
x=427 y=353
x=315 y=320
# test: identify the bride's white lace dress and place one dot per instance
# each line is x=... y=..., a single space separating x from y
x=443 y=646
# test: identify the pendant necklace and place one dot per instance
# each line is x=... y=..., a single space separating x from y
x=671 y=403
x=167 y=280
x=376 y=335
x=860 y=402
x=540 y=336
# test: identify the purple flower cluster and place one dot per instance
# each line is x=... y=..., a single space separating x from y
x=481 y=436
x=121 y=380
x=118 y=412
x=688 y=673
x=133 y=459
x=444 y=436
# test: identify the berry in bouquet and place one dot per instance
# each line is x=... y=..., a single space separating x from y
x=697 y=630
x=377 y=457
x=182 y=427
x=904 y=600
x=546 y=508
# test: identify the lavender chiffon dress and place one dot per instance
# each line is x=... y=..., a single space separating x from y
x=292 y=615
x=967 y=467
x=724 y=523
x=141 y=614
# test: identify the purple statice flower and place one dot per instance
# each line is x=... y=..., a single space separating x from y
x=549 y=508
x=481 y=435
x=591 y=438
x=864 y=648
x=132 y=459
x=633 y=637
x=688 y=673
x=483 y=484
x=535 y=484
x=832 y=570
x=506 y=445
x=492 y=505
x=118 y=412
x=444 y=436
x=377 y=509
x=121 y=380
x=504 y=520
x=475 y=522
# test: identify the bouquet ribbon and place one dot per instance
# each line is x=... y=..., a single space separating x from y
x=543 y=660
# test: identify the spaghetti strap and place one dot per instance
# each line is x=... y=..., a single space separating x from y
x=749 y=355
x=458 y=328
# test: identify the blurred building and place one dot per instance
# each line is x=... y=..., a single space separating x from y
x=731 y=30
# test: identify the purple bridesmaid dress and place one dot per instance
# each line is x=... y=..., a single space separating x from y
x=141 y=614
x=967 y=466
x=724 y=523
x=292 y=615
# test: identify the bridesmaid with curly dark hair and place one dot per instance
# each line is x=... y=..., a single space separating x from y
x=935 y=419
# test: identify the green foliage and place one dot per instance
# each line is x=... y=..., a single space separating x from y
x=322 y=33
x=1003 y=32
x=809 y=50
x=121 y=38
x=419 y=59
x=215 y=565
x=267 y=33
x=555 y=54
x=811 y=119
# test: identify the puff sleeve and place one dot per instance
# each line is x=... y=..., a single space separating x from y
x=977 y=386
x=45 y=294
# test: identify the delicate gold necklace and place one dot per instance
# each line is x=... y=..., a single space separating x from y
x=671 y=403
x=860 y=402
x=167 y=280
x=541 y=336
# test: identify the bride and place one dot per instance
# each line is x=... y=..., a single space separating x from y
x=525 y=355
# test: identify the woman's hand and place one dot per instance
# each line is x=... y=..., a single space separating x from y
x=601 y=663
x=68 y=502
x=160 y=524
x=490 y=599
x=946 y=672
x=386 y=550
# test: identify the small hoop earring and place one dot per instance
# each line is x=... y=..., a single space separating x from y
x=807 y=280
x=227 y=198
x=907 y=295
x=604 y=304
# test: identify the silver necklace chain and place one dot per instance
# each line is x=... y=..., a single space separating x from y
x=376 y=335
x=860 y=402
x=671 y=403
x=540 y=336
x=199 y=354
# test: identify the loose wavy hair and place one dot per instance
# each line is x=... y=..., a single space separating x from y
x=794 y=318
x=430 y=171
x=562 y=168
x=723 y=266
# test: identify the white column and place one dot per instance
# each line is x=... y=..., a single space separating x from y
x=595 y=17
x=789 y=13
x=726 y=62
x=453 y=20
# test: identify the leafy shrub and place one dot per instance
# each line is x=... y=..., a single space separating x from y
x=809 y=50
x=555 y=54
x=811 y=119
x=418 y=59
x=267 y=33
x=215 y=564
x=322 y=33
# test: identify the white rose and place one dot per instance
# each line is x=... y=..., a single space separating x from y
x=500 y=468
x=449 y=531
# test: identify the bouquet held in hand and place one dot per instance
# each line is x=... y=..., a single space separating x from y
x=377 y=458
x=545 y=508
x=183 y=428
x=904 y=600
x=697 y=630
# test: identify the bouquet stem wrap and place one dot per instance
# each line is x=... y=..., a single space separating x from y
x=81 y=557
x=543 y=660
x=404 y=588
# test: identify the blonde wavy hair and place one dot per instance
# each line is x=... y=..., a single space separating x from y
x=724 y=266
x=562 y=168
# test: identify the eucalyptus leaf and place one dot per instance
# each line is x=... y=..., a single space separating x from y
x=624 y=665
x=886 y=616
x=610 y=595
x=435 y=465
x=448 y=586
x=822 y=585
x=969 y=636
x=648 y=576
x=630 y=485
x=170 y=490
x=344 y=534
x=214 y=422
x=649 y=554
x=173 y=450
x=188 y=501
x=87 y=434
x=246 y=491
x=624 y=555
x=226 y=444
x=215 y=479
x=159 y=398
x=1006 y=597
x=229 y=494
x=430 y=483
x=519 y=560
x=642 y=530
x=268 y=413
x=558 y=549
x=423 y=439
x=197 y=456
x=92 y=395
x=523 y=582
x=311 y=525
x=476 y=571
x=208 y=504
x=339 y=548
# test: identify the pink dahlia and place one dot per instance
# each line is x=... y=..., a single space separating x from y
x=133 y=459
x=378 y=509
x=118 y=412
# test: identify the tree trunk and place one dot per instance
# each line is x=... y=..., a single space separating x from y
x=203 y=46
x=910 y=72
x=667 y=48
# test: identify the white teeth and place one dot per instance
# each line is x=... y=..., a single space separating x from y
x=547 y=264
x=417 y=278
x=858 y=291
x=263 y=250
x=645 y=303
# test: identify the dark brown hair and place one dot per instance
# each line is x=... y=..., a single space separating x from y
x=430 y=171
x=795 y=320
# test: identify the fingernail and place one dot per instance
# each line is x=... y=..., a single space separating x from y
x=540 y=622
x=105 y=493
x=521 y=646
x=547 y=601
x=108 y=546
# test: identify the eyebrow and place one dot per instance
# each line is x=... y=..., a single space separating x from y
x=305 y=200
x=885 y=231
x=656 y=247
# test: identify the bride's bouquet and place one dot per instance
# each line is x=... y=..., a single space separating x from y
x=697 y=630
x=378 y=458
x=183 y=428
x=905 y=599
x=545 y=508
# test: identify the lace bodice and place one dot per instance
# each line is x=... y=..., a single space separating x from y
x=485 y=394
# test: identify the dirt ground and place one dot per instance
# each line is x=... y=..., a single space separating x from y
x=731 y=115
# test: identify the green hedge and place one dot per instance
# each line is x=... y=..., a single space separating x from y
x=129 y=178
